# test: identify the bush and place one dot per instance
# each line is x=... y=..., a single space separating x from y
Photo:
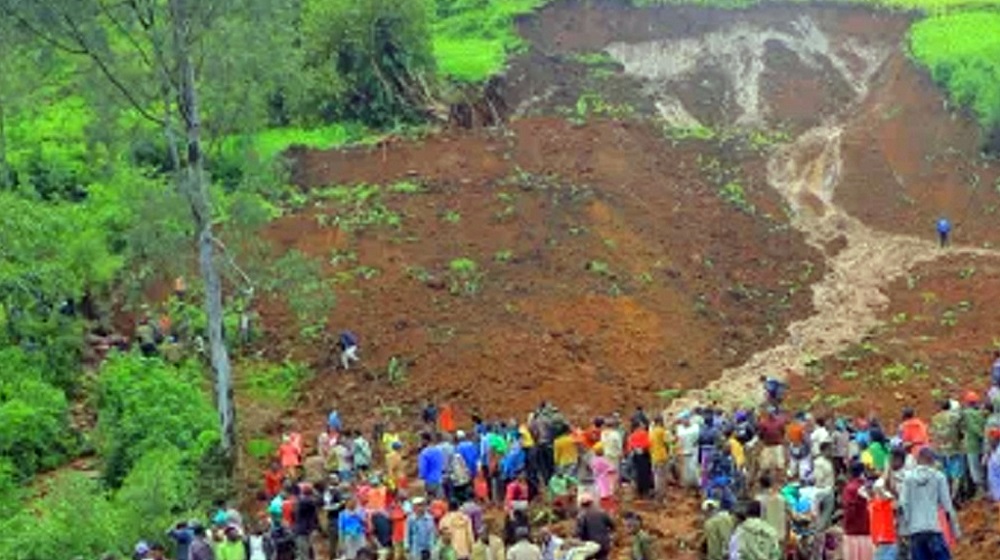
x=369 y=60
x=34 y=427
x=73 y=519
x=962 y=52
x=146 y=405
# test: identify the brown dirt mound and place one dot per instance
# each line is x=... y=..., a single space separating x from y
x=624 y=271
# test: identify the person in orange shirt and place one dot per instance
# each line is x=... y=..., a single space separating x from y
x=592 y=436
x=913 y=431
x=290 y=456
x=446 y=418
x=882 y=519
x=798 y=450
x=273 y=479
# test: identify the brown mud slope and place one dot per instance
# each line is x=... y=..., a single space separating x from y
x=597 y=262
x=609 y=265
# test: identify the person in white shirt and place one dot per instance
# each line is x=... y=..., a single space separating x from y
x=824 y=479
x=687 y=439
x=820 y=435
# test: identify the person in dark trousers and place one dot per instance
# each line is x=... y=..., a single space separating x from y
x=594 y=525
x=944 y=231
x=306 y=522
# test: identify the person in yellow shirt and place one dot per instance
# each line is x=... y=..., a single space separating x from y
x=566 y=454
x=660 y=457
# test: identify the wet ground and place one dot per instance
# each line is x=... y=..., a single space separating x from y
x=614 y=259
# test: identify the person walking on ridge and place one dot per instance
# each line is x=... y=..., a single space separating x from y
x=944 y=231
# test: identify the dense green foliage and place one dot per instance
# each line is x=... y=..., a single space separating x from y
x=34 y=415
x=368 y=60
x=472 y=38
x=145 y=405
x=962 y=52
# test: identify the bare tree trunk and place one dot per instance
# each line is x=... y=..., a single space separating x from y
x=196 y=192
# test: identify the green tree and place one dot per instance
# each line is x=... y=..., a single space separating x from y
x=153 y=56
x=369 y=60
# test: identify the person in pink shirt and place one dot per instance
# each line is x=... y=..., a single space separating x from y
x=605 y=475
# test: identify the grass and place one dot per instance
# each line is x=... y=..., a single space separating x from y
x=472 y=39
x=356 y=207
x=261 y=448
x=272 y=142
x=962 y=52
x=274 y=384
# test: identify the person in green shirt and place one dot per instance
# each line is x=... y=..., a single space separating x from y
x=232 y=548
x=973 y=429
x=446 y=551
x=642 y=543
x=719 y=524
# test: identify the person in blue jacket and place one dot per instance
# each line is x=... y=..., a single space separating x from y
x=431 y=466
x=943 y=230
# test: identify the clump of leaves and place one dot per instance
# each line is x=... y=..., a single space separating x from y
x=465 y=276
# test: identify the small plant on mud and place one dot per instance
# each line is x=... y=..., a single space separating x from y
x=899 y=318
x=763 y=140
x=396 y=371
x=896 y=373
x=697 y=132
x=949 y=318
x=339 y=256
x=669 y=395
x=598 y=58
x=406 y=187
x=366 y=272
x=600 y=268
x=452 y=217
x=418 y=273
x=503 y=256
x=465 y=276
x=967 y=272
x=733 y=193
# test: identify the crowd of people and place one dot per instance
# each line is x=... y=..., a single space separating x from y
x=772 y=484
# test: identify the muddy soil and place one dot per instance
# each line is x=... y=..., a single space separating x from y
x=624 y=270
x=611 y=256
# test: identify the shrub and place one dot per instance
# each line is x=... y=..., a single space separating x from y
x=145 y=405
x=368 y=60
x=34 y=427
x=962 y=51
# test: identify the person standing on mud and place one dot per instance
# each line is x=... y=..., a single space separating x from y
x=944 y=231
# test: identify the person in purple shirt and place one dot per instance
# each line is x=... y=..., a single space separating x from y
x=431 y=466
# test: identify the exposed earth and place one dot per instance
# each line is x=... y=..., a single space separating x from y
x=680 y=201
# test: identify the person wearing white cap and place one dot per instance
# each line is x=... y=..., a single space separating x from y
x=421 y=532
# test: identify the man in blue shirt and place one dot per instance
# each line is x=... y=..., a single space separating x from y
x=431 y=466
x=943 y=229
x=469 y=451
x=182 y=535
